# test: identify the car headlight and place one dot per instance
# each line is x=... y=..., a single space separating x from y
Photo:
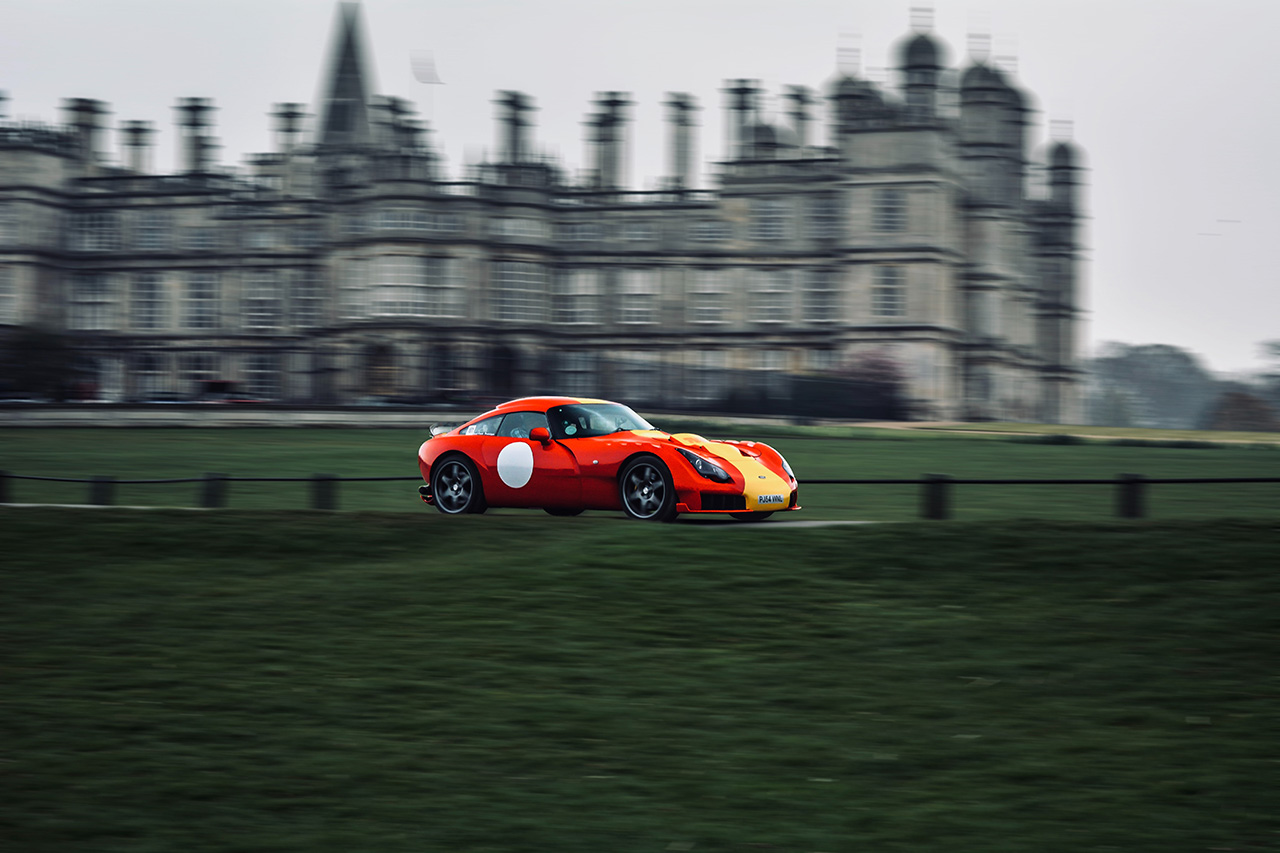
x=706 y=467
x=786 y=467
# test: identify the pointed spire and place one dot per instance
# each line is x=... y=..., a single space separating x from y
x=344 y=112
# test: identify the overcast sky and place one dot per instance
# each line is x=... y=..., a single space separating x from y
x=1173 y=101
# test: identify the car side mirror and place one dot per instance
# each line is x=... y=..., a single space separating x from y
x=541 y=434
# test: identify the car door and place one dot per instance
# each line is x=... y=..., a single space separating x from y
x=526 y=473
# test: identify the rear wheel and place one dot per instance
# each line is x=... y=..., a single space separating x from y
x=752 y=516
x=647 y=490
x=456 y=486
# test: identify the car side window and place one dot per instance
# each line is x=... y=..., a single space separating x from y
x=518 y=424
x=488 y=426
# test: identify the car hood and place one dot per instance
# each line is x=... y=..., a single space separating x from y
x=687 y=439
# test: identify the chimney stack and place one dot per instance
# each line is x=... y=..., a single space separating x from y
x=743 y=113
x=137 y=146
x=608 y=139
x=196 y=144
x=514 y=145
x=801 y=98
x=288 y=125
x=85 y=115
x=681 y=108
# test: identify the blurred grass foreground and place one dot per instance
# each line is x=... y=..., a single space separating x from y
x=310 y=682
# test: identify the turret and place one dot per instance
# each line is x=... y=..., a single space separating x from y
x=992 y=135
x=921 y=65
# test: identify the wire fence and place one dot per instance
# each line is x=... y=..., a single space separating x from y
x=936 y=501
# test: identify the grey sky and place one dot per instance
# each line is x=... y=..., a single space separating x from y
x=1172 y=100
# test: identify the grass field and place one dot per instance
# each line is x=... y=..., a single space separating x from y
x=310 y=682
x=815 y=453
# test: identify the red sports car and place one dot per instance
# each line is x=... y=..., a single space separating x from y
x=565 y=454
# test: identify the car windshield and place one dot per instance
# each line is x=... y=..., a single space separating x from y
x=586 y=420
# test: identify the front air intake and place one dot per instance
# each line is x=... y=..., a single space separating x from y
x=712 y=501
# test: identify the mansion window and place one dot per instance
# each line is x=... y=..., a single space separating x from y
x=95 y=232
x=710 y=231
x=518 y=292
x=148 y=308
x=355 y=224
x=308 y=236
x=150 y=374
x=200 y=301
x=261 y=304
x=770 y=295
x=202 y=239
x=405 y=219
x=770 y=365
x=153 y=229
x=10 y=224
x=821 y=298
x=824 y=216
x=640 y=230
x=305 y=299
x=577 y=374
x=708 y=300
x=576 y=299
x=399 y=286
x=446 y=223
x=769 y=220
x=445 y=296
x=575 y=232
x=638 y=296
x=707 y=377
x=195 y=370
x=409 y=286
x=518 y=228
x=260 y=235
x=639 y=377
x=8 y=296
x=262 y=375
x=92 y=303
x=890 y=211
x=888 y=295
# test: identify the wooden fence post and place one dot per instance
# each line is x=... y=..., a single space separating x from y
x=213 y=491
x=1130 y=496
x=102 y=490
x=935 y=497
x=324 y=491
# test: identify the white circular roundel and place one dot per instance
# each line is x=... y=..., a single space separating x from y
x=515 y=464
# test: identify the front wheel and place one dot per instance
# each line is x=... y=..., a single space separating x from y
x=647 y=490
x=456 y=486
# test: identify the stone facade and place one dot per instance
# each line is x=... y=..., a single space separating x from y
x=345 y=265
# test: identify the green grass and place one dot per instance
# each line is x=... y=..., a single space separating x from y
x=813 y=453
x=250 y=681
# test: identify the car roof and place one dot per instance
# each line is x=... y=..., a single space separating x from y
x=533 y=404
x=541 y=404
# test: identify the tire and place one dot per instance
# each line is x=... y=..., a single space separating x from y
x=456 y=486
x=647 y=490
x=752 y=516
x=562 y=512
